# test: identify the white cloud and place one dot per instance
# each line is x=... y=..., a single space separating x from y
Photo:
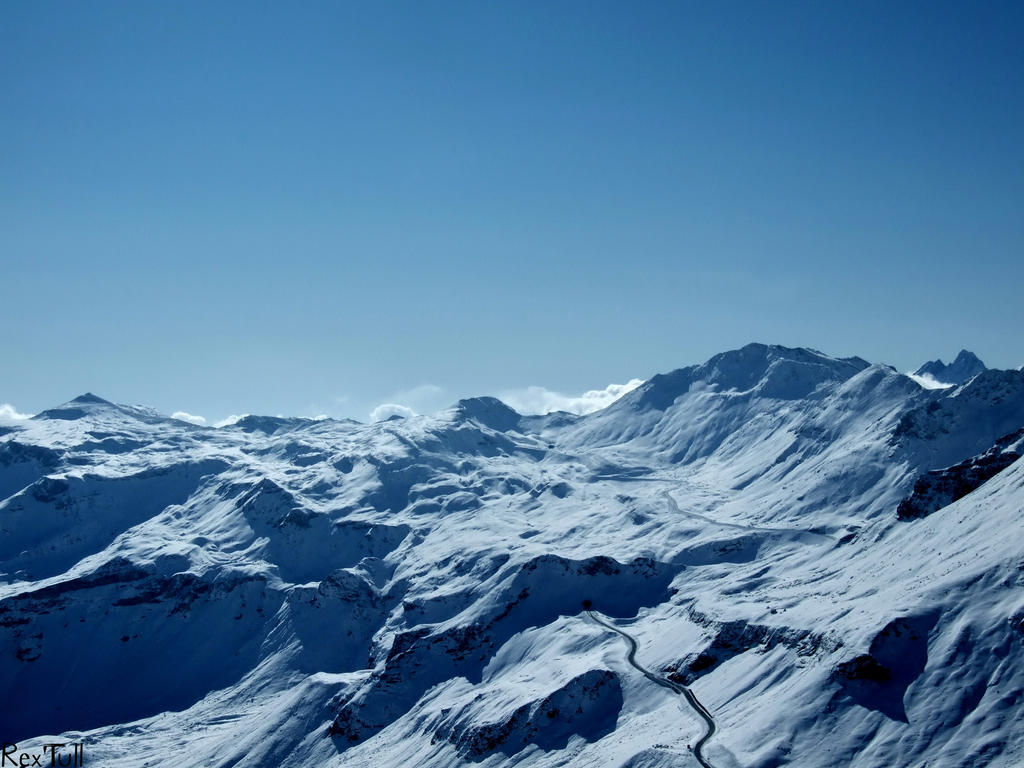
x=8 y=411
x=425 y=398
x=928 y=381
x=190 y=418
x=232 y=419
x=387 y=410
x=538 y=400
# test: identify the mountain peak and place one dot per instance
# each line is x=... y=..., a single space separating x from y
x=90 y=398
x=76 y=409
x=488 y=411
x=269 y=425
x=771 y=369
x=965 y=367
x=966 y=357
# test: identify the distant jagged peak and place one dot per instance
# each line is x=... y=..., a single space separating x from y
x=488 y=411
x=966 y=356
x=965 y=367
x=773 y=370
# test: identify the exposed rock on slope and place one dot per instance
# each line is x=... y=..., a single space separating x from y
x=939 y=487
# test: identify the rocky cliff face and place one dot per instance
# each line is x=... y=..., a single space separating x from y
x=938 y=488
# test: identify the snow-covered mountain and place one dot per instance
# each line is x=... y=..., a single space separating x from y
x=825 y=553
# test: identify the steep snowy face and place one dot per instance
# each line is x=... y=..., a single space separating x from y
x=963 y=369
x=824 y=551
x=776 y=371
x=689 y=413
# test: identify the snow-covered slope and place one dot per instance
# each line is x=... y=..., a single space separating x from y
x=411 y=592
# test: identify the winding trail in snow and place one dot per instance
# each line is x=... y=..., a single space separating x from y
x=796 y=534
x=691 y=699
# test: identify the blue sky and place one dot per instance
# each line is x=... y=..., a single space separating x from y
x=319 y=207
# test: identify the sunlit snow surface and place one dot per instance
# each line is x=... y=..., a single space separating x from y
x=289 y=591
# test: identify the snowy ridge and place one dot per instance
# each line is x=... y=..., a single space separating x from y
x=410 y=592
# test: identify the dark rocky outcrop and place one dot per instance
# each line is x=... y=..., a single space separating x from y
x=941 y=487
x=735 y=637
